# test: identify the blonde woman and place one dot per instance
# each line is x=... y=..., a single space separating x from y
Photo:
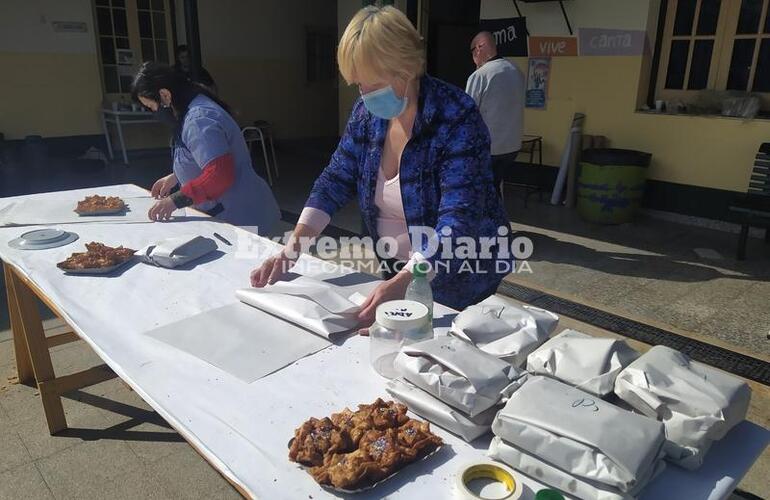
x=416 y=154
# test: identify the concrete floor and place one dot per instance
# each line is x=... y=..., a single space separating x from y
x=119 y=448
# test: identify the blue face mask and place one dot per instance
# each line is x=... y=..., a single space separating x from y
x=384 y=103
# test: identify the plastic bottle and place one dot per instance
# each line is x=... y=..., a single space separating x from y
x=419 y=289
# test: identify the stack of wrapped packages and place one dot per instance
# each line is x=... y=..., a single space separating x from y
x=453 y=384
x=697 y=404
x=556 y=423
x=588 y=363
x=459 y=382
x=503 y=329
x=576 y=442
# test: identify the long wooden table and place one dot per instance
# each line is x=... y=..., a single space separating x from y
x=241 y=429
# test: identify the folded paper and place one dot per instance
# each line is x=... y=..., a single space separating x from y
x=457 y=373
x=589 y=363
x=697 y=404
x=321 y=307
x=439 y=413
x=175 y=252
x=503 y=329
x=580 y=433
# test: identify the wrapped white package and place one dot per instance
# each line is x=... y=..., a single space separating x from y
x=321 y=307
x=504 y=329
x=589 y=363
x=698 y=404
x=457 y=373
x=580 y=434
x=175 y=252
x=439 y=413
x=557 y=478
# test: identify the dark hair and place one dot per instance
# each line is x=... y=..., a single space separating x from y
x=153 y=76
x=179 y=49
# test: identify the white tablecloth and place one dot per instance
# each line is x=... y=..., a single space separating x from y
x=243 y=429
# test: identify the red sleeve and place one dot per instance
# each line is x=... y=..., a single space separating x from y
x=214 y=181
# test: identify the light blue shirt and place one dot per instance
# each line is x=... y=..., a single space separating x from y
x=209 y=132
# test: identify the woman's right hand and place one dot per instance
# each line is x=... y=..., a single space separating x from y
x=272 y=270
x=163 y=186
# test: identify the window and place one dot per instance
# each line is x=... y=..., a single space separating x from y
x=152 y=30
x=721 y=45
x=112 y=27
x=320 y=54
x=129 y=32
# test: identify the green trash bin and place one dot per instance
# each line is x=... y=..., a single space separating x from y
x=611 y=184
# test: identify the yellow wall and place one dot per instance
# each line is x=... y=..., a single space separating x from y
x=346 y=9
x=705 y=151
x=255 y=51
x=713 y=152
x=49 y=94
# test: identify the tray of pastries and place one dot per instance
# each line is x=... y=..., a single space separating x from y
x=97 y=259
x=353 y=451
x=100 y=205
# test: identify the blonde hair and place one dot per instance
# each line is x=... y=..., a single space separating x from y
x=380 y=43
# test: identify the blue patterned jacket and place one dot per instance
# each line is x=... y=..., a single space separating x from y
x=446 y=180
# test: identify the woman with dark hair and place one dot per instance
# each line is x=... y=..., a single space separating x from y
x=211 y=162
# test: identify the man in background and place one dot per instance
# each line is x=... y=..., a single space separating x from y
x=497 y=86
x=183 y=66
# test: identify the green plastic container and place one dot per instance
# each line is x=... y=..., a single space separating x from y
x=611 y=184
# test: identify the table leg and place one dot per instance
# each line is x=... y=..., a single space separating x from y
x=275 y=158
x=23 y=363
x=107 y=136
x=264 y=153
x=122 y=141
x=540 y=151
x=31 y=328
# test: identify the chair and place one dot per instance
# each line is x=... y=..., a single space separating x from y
x=522 y=174
x=262 y=132
x=754 y=206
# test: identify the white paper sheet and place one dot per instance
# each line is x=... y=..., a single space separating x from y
x=33 y=212
x=242 y=429
x=241 y=340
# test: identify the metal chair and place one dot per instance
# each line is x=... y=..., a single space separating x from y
x=754 y=206
x=262 y=132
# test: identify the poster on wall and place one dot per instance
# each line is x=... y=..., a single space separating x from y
x=538 y=74
x=510 y=35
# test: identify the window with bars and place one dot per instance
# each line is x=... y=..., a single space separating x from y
x=715 y=45
x=112 y=28
x=152 y=30
x=129 y=32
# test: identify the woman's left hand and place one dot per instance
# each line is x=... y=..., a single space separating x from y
x=162 y=210
x=393 y=289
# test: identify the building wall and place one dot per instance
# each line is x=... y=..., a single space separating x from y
x=255 y=51
x=50 y=83
x=348 y=94
x=706 y=151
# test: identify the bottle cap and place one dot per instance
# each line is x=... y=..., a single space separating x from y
x=420 y=269
x=402 y=315
x=548 y=495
